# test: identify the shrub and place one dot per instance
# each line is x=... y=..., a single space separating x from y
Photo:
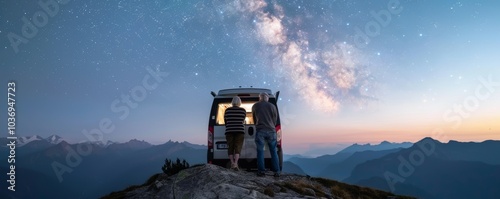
x=170 y=168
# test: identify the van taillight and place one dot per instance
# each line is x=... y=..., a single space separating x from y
x=278 y=132
x=210 y=137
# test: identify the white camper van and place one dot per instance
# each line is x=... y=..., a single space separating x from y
x=217 y=145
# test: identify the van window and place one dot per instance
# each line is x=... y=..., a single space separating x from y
x=221 y=108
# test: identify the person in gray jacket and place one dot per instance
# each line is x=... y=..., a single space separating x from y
x=265 y=116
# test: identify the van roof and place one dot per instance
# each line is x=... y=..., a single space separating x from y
x=253 y=92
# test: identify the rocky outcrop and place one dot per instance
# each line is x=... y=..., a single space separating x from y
x=210 y=181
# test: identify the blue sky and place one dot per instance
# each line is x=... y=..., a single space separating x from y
x=418 y=64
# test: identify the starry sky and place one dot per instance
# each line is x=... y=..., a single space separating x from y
x=348 y=71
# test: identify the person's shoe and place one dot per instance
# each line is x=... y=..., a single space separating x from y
x=260 y=173
x=276 y=175
x=236 y=168
x=233 y=166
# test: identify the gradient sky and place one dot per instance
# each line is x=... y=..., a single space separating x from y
x=347 y=72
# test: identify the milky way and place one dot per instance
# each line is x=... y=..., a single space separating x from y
x=320 y=75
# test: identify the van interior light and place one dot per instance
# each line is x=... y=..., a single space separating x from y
x=223 y=106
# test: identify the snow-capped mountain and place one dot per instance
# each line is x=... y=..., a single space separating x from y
x=103 y=143
x=54 y=139
x=21 y=141
x=109 y=142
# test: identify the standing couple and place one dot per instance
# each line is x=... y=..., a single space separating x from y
x=265 y=116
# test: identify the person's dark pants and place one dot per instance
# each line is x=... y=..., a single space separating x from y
x=260 y=139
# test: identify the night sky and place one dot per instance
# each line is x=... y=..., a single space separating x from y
x=348 y=71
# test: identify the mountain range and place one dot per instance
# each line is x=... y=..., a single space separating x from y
x=53 y=139
x=106 y=167
x=88 y=170
x=431 y=169
x=53 y=168
x=320 y=165
x=427 y=169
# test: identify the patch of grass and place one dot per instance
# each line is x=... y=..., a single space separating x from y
x=121 y=194
x=269 y=191
x=151 y=179
x=282 y=189
x=348 y=191
x=196 y=165
x=299 y=186
x=294 y=188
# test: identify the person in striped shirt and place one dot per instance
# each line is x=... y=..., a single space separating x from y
x=234 y=118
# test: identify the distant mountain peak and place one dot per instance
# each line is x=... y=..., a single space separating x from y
x=109 y=142
x=21 y=141
x=194 y=146
x=136 y=140
x=429 y=139
x=54 y=136
x=134 y=144
x=382 y=146
x=173 y=142
x=63 y=143
x=385 y=142
x=54 y=139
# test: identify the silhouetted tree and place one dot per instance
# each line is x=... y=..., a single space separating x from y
x=170 y=168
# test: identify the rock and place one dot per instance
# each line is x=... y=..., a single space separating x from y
x=309 y=192
x=211 y=181
x=158 y=184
